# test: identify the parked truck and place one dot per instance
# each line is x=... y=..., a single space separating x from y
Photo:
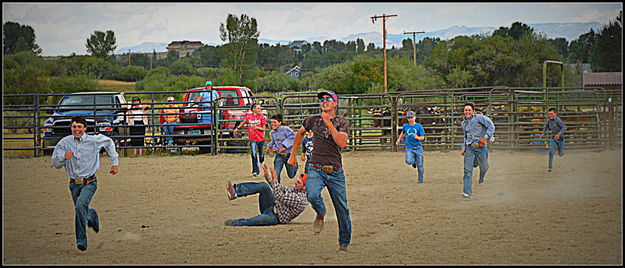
x=196 y=128
x=104 y=111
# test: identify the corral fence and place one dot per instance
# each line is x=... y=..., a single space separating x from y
x=593 y=117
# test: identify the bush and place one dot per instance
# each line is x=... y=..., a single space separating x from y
x=71 y=84
x=277 y=82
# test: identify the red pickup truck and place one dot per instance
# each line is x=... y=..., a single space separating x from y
x=193 y=129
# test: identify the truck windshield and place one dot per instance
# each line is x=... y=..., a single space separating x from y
x=85 y=102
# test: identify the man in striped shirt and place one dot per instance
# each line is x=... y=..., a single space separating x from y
x=279 y=204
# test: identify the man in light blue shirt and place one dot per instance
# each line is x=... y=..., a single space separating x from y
x=79 y=153
x=206 y=99
x=282 y=138
x=556 y=140
x=478 y=129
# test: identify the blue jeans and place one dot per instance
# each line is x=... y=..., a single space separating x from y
x=81 y=195
x=265 y=203
x=553 y=144
x=470 y=155
x=281 y=161
x=168 y=129
x=258 y=155
x=415 y=155
x=335 y=182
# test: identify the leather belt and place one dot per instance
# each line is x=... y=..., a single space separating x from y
x=327 y=169
x=82 y=180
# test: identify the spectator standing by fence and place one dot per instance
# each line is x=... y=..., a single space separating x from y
x=170 y=118
x=256 y=123
x=307 y=149
x=137 y=121
x=79 y=153
x=556 y=140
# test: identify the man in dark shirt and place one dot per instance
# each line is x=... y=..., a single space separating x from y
x=556 y=140
x=325 y=165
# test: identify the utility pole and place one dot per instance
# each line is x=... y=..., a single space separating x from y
x=384 y=16
x=414 y=45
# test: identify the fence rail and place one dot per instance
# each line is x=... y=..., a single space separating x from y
x=593 y=117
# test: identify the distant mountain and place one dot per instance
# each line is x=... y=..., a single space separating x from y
x=569 y=31
x=144 y=48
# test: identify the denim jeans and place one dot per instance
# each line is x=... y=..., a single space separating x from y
x=81 y=195
x=258 y=155
x=281 y=161
x=415 y=155
x=265 y=204
x=168 y=129
x=470 y=155
x=335 y=182
x=553 y=144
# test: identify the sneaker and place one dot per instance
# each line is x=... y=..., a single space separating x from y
x=232 y=193
x=342 y=250
x=229 y=222
x=414 y=165
x=468 y=196
x=82 y=247
x=549 y=170
x=318 y=224
x=95 y=225
x=254 y=174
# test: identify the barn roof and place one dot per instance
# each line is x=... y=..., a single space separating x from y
x=602 y=79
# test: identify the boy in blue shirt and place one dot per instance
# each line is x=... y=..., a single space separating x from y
x=414 y=134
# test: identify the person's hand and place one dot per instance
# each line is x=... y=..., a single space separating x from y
x=541 y=135
x=292 y=160
x=326 y=118
x=556 y=137
x=68 y=155
x=236 y=131
x=415 y=136
x=267 y=150
x=397 y=143
x=303 y=158
x=265 y=170
x=482 y=141
x=462 y=152
x=114 y=170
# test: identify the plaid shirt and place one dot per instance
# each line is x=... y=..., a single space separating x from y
x=289 y=202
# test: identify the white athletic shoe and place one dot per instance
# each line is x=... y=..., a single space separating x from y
x=468 y=196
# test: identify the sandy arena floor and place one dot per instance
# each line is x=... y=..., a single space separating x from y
x=170 y=210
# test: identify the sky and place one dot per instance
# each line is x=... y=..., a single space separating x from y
x=63 y=28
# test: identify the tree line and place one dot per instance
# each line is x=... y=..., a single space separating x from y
x=510 y=56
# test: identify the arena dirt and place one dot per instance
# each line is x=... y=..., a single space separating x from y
x=170 y=210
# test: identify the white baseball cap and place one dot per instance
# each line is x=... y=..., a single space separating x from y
x=170 y=98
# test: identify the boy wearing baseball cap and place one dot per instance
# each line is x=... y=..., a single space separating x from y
x=414 y=134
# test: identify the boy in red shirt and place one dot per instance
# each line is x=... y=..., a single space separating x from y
x=256 y=123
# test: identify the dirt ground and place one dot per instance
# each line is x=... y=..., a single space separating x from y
x=170 y=210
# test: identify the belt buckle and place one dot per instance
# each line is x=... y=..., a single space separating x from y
x=78 y=180
x=327 y=169
x=475 y=145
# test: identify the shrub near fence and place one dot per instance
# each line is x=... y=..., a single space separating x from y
x=594 y=117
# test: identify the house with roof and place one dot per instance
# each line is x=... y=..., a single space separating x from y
x=296 y=46
x=184 y=48
x=607 y=80
x=294 y=73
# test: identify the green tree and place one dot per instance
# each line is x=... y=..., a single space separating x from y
x=579 y=49
x=515 y=31
x=100 y=44
x=561 y=45
x=241 y=35
x=605 y=53
x=16 y=38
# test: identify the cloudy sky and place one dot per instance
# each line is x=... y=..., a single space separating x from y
x=63 y=28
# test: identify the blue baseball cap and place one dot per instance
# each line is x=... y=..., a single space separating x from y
x=410 y=114
x=209 y=83
x=328 y=92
